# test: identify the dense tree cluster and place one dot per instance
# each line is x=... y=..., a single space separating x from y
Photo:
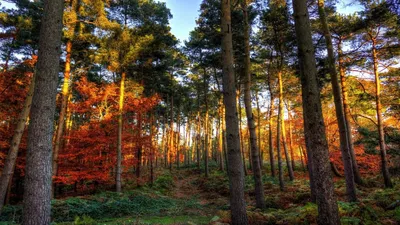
x=105 y=95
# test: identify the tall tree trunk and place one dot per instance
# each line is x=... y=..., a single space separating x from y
x=178 y=142
x=291 y=138
x=259 y=130
x=288 y=159
x=337 y=97
x=64 y=105
x=255 y=154
x=314 y=127
x=139 y=148
x=235 y=169
x=9 y=164
x=241 y=134
x=118 y=179
x=382 y=145
x=171 y=133
x=278 y=141
x=270 y=121
x=347 y=116
x=198 y=141
x=221 y=138
x=282 y=123
x=38 y=170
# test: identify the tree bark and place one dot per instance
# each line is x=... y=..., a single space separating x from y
x=9 y=164
x=344 y=143
x=255 y=154
x=64 y=105
x=241 y=133
x=314 y=127
x=235 y=169
x=347 y=116
x=38 y=170
x=382 y=144
x=270 y=121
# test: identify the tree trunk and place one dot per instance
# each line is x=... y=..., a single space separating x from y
x=255 y=154
x=270 y=121
x=344 y=143
x=241 y=134
x=221 y=138
x=291 y=139
x=198 y=141
x=9 y=164
x=278 y=143
x=347 y=116
x=38 y=170
x=314 y=127
x=118 y=178
x=139 y=148
x=382 y=145
x=259 y=131
x=171 y=133
x=235 y=169
x=282 y=123
x=64 y=105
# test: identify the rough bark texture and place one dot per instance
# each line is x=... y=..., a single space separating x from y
x=118 y=177
x=9 y=164
x=382 y=145
x=235 y=169
x=347 y=116
x=337 y=98
x=314 y=127
x=37 y=191
x=64 y=104
x=255 y=154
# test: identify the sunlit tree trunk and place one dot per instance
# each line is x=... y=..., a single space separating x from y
x=314 y=127
x=38 y=169
x=291 y=138
x=288 y=159
x=382 y=144
x=64 y=104
x=347 y=115
x=283 y=130
x=235 y=169
x=118 y=178
x=221 y=137
x=344 y=143
x=278 y=138
x=9 y=164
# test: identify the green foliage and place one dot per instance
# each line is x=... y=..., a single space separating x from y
x=85 y=220
x=164 y=182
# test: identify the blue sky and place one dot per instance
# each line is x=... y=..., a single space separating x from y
x=185 y=13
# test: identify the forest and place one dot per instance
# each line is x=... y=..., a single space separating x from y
x=272 y=112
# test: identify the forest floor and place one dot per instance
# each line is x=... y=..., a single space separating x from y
x=185 y=196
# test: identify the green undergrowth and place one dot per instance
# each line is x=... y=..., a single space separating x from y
x=143 y=201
